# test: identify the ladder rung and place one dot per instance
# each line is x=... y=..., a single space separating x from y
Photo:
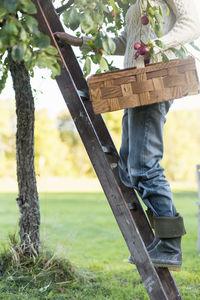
x=132 y=206
x=84 y=95
x=108 y=149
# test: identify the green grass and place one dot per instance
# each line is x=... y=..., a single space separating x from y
x=81 y=228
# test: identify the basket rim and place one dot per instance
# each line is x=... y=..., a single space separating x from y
x=148 y=68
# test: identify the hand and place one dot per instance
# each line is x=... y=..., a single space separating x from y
x=69 y=39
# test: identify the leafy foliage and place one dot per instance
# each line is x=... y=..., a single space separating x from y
x=101 y=19
x=19 y=31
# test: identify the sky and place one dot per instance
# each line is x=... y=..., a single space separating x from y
x=48 y=96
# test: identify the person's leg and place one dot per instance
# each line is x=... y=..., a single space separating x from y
x=124 y=152
x=145 y=129
x=140 y=154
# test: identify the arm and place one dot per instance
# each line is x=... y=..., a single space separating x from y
x=69 y=39
x=187 y=26
x=120 y=43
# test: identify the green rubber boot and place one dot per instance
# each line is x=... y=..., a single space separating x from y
x=167 y=253
x=149 y=248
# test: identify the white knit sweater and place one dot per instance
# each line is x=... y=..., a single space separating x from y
x=181 y=26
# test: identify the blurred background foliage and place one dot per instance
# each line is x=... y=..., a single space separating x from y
x=59 y=150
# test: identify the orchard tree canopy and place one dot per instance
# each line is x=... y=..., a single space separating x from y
x=102 y=19
x=19 y=32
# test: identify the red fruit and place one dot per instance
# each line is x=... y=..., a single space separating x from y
x=144 y=20
x=114 y=13
x=136 y=55
x=142 y=50
x=100 y=52
x=137 y=46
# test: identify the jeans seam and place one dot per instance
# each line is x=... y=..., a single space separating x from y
x=144 y=141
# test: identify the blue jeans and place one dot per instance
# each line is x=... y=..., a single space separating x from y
x=140 y=153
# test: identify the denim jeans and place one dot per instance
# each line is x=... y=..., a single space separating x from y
x=140 y=153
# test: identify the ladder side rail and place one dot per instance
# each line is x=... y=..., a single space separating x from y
x=97 y=120
x=170 y=284
x=111 y=188
x=113 y=193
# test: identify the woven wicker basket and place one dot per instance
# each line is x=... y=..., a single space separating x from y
x=142 y=86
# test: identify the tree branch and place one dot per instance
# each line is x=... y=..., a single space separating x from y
x=61 y=9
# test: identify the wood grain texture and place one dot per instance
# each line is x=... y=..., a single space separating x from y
x=94 y=134
x=155 y=83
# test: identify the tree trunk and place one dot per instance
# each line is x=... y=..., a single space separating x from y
x=27 y=200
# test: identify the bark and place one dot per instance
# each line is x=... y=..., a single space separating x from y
x=27 y=200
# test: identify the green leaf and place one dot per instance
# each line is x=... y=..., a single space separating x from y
x=184 y=51
x=103 y=64
x=96 y=58
x=105 y=45
x=168 y=10
x=72 y=18
x=28 y=59
x=112 y=45
x=153 y=55
x=108 y=45
x=23 y=35
x=51 y=50
x=42 y=41
x=28 y=7
x=152 y=22
x=161 y=12
x=3 y=79
x=10 y=28
x=160 y=44
x=3 y=12
x=10 y=5
x=18 y=52
x=164 y=57
x=98 y=41
x=31 y=23
x=178 y=53
x=151 y=11
x=158 y=17
x=158 y=30
x=55 y=70
x=114 y=6
x=88 y=24
x=87 y=66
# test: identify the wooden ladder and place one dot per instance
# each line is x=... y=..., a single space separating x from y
x=104 y=157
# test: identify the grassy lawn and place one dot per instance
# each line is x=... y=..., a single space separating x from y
x=81 y=228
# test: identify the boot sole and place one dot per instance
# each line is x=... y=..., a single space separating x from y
x=157 y=266
x=171 y=268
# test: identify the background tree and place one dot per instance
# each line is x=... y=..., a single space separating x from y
x=22 y=47
x=77 y=159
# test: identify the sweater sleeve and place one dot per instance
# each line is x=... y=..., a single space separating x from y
x=120 y=43
x=187 y=25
